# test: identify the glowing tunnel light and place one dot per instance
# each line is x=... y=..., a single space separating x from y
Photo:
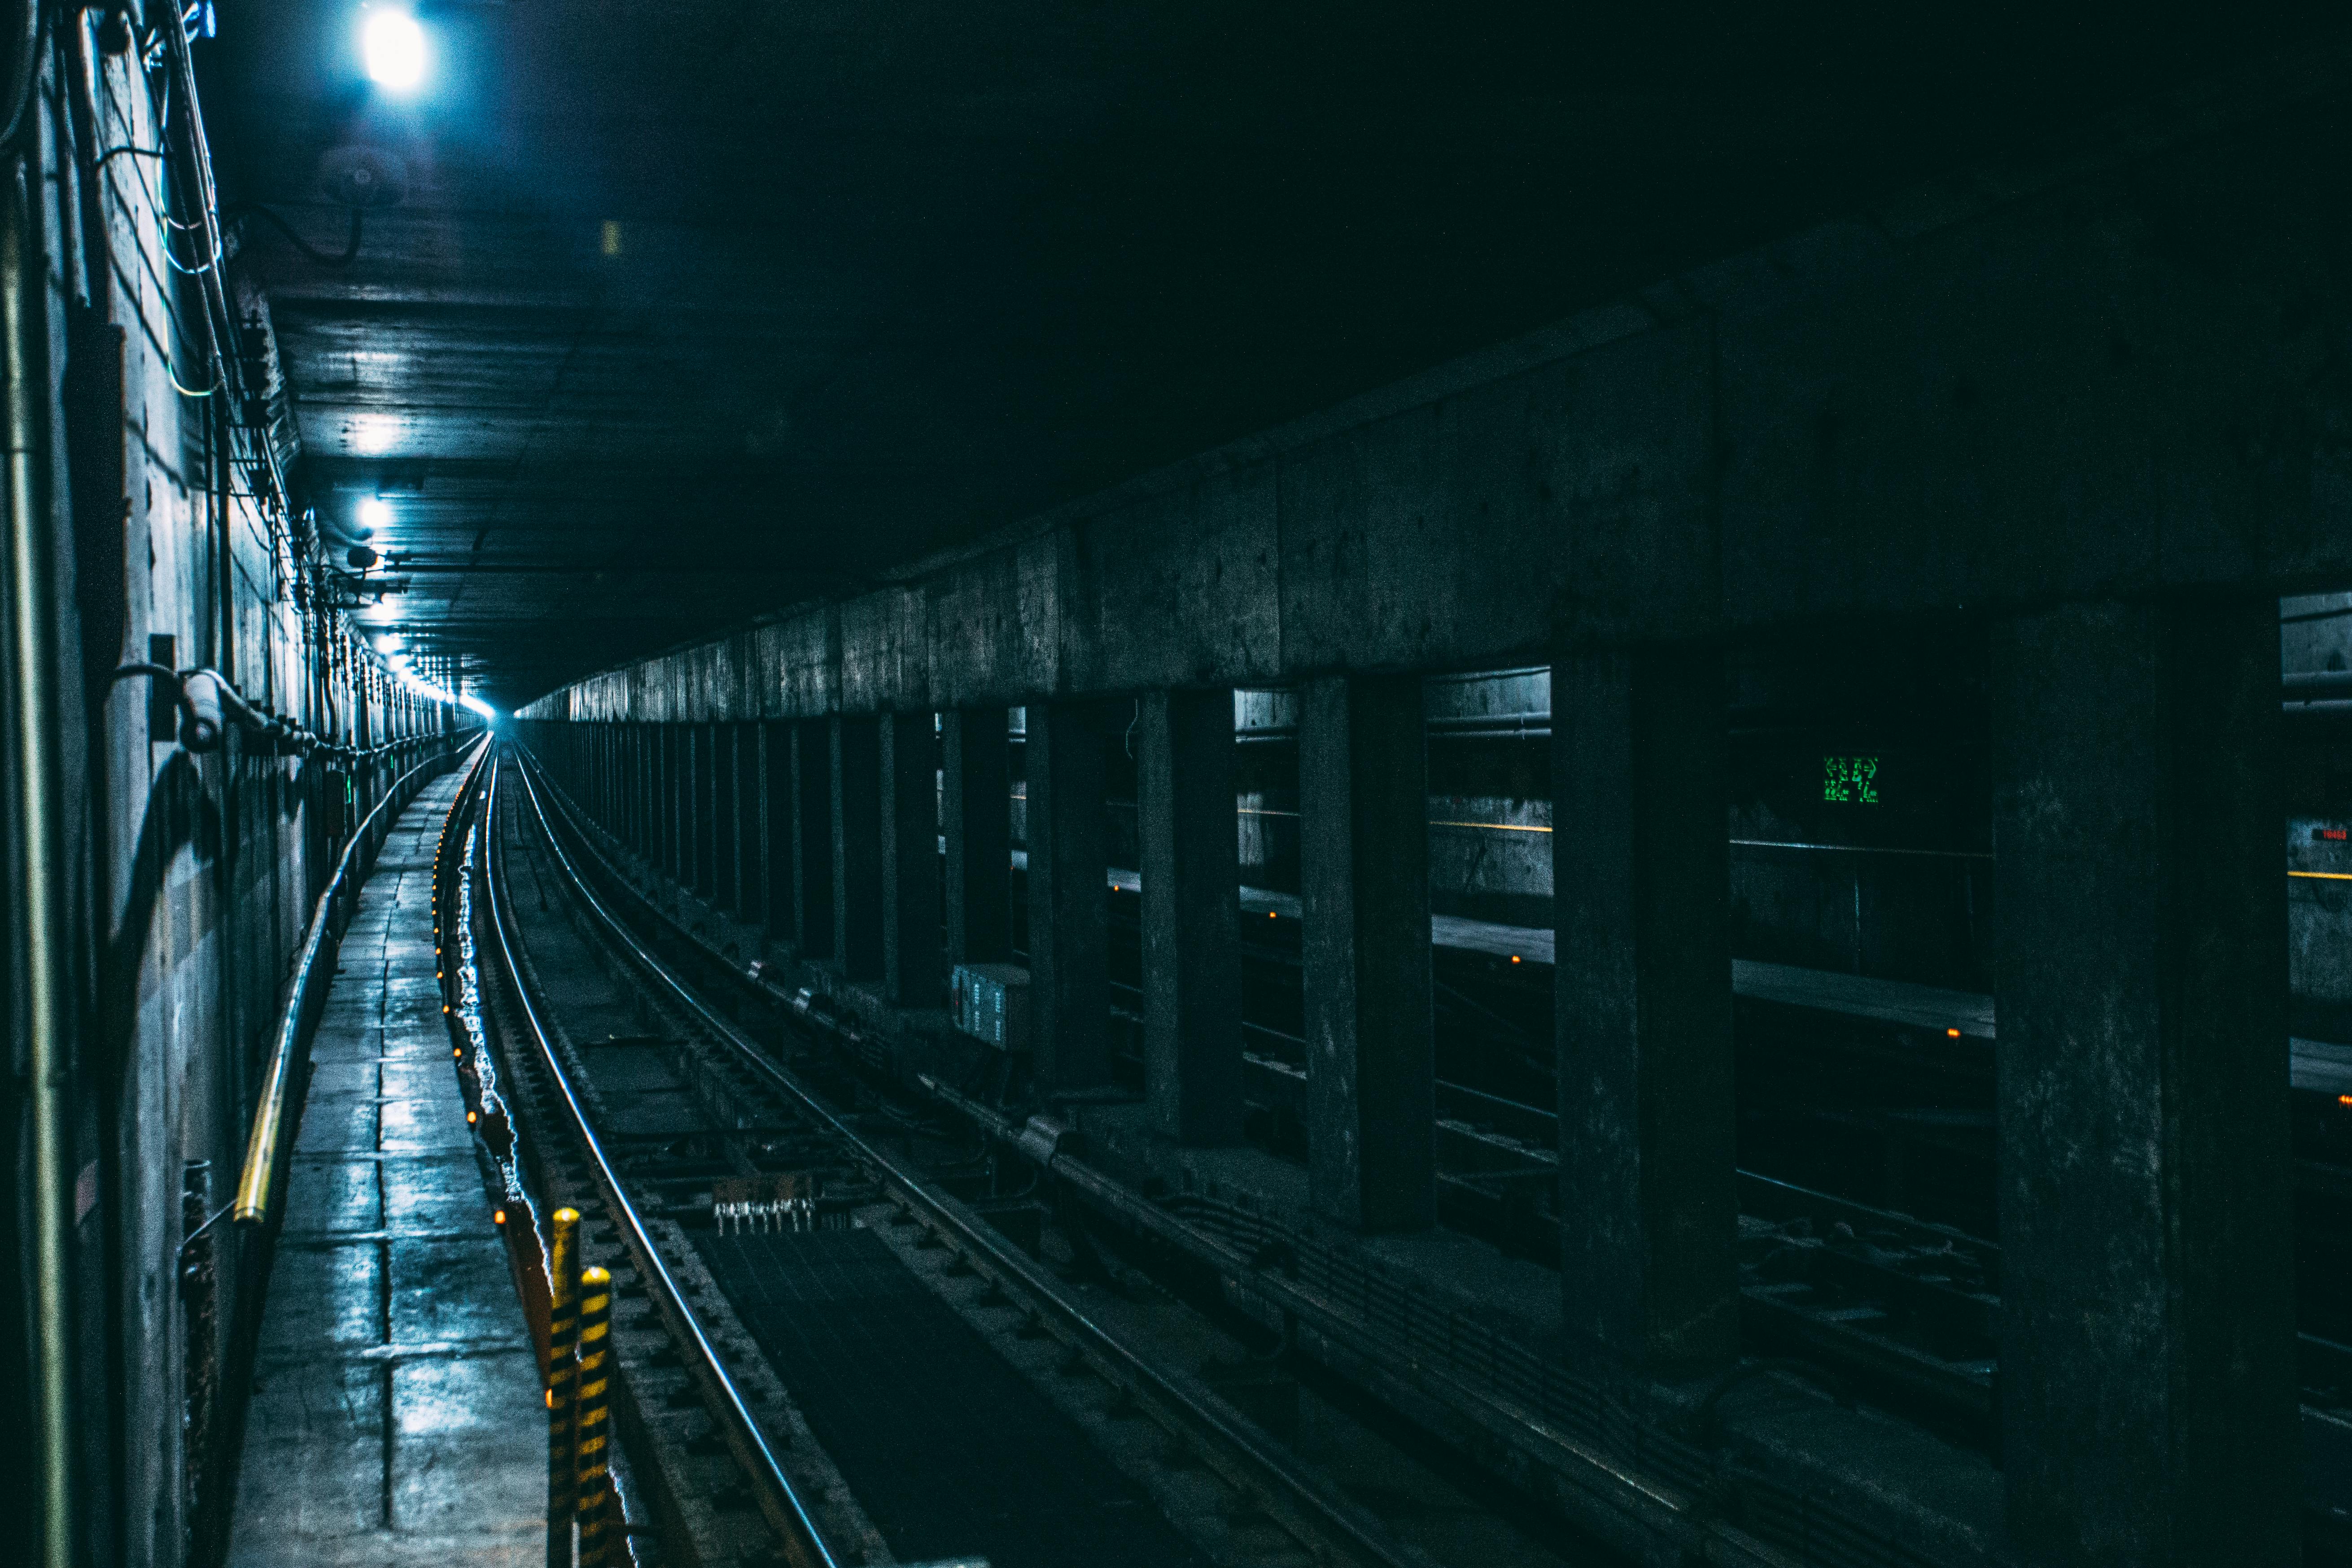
x=394 y=46
x=478 y=706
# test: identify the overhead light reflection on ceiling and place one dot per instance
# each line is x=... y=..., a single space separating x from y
x=372 y=513
x=373 y=433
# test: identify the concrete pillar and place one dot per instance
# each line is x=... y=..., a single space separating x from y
x=1642 y=1009
x=725 y=890
x=640 y=787
x=688 y=753
x=976 y=816
x=857 y=847
x=911 y=973
x=810 y=837
x=1069 y=987
x=705 y=810
x=2147 y=1357
x=1191 y=880
x=1363 y=807
x=768 y=809
x=751 y=823
x=672 y=743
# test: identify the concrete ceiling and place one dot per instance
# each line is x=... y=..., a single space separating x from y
x=689 y=310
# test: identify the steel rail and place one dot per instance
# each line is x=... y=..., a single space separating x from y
x=1315 y=1505
x=257 y=1186
x=779 y=1499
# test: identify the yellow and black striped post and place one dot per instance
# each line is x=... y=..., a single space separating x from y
x=600 y=1522
x=563 y=1335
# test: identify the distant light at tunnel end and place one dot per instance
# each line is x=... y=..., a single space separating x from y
x=394 y=46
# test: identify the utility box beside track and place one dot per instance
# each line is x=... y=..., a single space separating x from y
x=990 y=1002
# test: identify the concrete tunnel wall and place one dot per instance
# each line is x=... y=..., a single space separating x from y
x=192 y=874
x=2052 y=401
x=1965 y=399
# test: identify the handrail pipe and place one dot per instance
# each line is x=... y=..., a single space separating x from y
x=257 y=1187
x=38 y=850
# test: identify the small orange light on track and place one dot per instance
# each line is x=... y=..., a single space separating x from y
x=1952 y=1033
x=498 y=1217
x=472 y=1117
x=1515 y=958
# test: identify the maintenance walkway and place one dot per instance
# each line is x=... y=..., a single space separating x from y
x=397 y=1415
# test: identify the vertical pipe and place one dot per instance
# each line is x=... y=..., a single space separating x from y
x=40 y=873
x=599 y=1531
x=563 y=1335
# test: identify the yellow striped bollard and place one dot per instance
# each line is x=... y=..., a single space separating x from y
x=600 y=1522
x=563 y=1335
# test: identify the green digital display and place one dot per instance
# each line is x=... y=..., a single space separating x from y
x=1850 y=781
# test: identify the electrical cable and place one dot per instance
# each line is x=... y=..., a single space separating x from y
x=130 y=152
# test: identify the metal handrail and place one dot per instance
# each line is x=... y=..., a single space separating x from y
x=1339 y=1518
x=778 y=1499
x=257 y=1187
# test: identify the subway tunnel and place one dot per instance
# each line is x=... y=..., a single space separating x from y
x=1078 y=783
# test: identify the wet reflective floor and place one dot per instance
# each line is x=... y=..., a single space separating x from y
x=397 y=1414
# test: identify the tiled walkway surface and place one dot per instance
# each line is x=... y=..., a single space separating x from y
x=397 y=1418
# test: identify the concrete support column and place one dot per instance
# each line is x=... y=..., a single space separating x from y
x=1643 y=1003
x=750 y=824
x=704 y=809
x=976 y=815
x=687 y=745
x=673 y=799
x=1191 y=880
x=810 y=759
x=857 y=847
x=1069 y=987
x=726 y=891
x=600 y=775
x=1363 y=799
x=640 y=787
x=772 y=824
x=911 y=973
x=2148 y=1356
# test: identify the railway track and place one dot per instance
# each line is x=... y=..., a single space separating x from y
x=700 y=1158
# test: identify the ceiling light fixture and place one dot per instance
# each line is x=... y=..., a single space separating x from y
x=394 y=46
x=373 y=512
